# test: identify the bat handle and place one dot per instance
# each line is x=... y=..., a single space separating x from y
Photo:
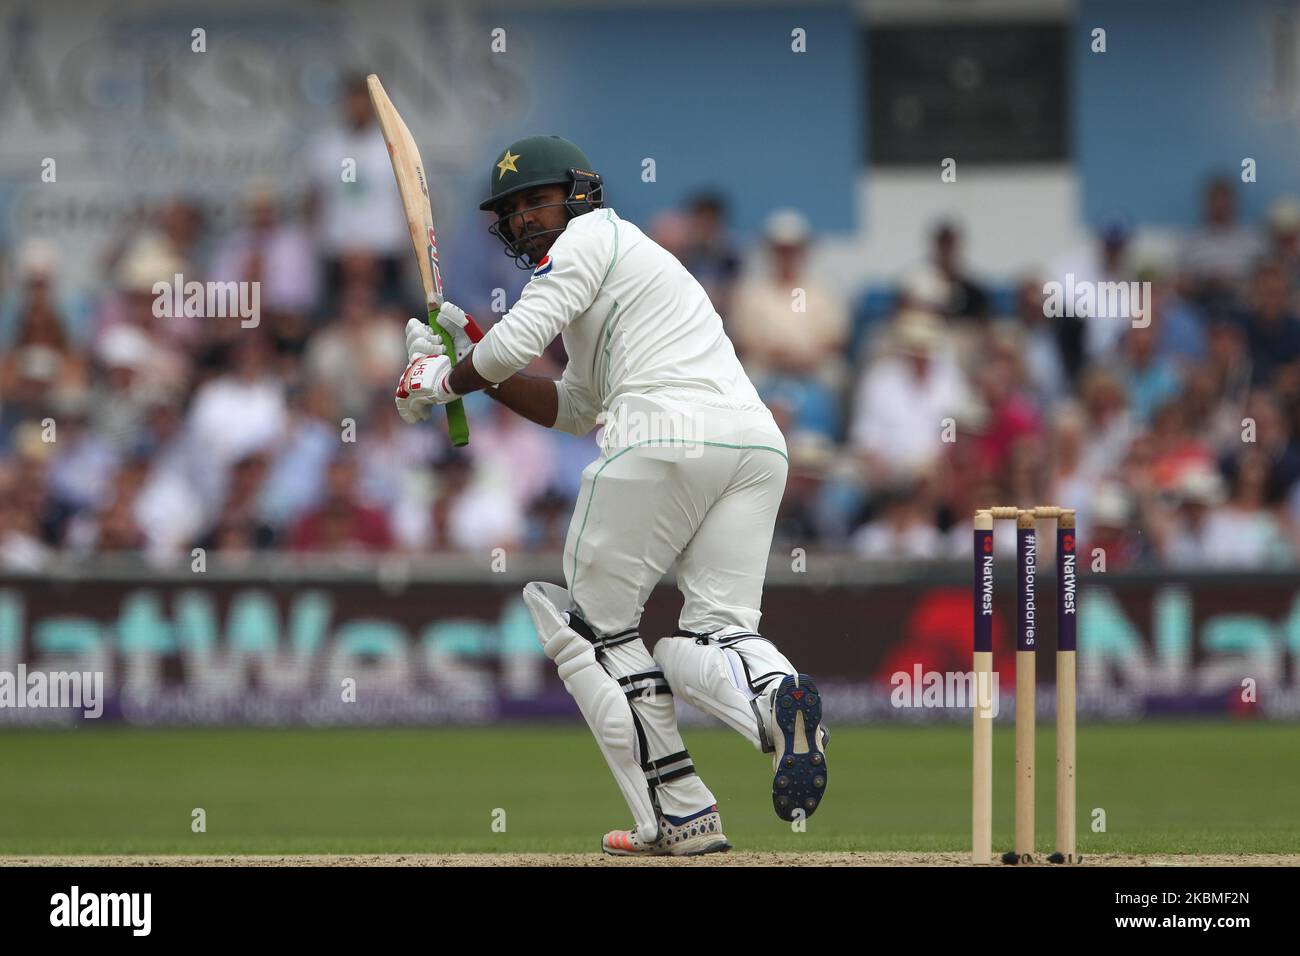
x=457 y=423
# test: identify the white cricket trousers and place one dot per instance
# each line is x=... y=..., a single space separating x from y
x=685 y=482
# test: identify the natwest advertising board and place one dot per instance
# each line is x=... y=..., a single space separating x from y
x=367 y=648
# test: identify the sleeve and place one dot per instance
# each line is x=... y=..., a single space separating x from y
x=578 y=406
x=579 y=260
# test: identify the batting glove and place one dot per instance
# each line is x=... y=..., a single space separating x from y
x=464 y=332
x=423 y=385
x=422 y=340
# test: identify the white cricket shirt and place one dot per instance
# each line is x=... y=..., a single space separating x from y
x=633 y=322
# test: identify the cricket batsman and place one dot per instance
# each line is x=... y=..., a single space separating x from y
x=692 y=468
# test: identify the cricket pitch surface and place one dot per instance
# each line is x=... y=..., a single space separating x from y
x=598 y=859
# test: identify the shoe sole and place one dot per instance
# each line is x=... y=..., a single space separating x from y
x=716 y=846
x=608 y=852
x=800 y=779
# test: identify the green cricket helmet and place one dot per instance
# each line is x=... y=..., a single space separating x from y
x=541 y=161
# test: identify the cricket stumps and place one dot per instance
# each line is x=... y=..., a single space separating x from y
x=1027 y=619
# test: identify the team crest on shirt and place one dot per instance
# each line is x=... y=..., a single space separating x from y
x=543 y=267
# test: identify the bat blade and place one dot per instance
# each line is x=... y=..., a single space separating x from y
x=413 y=187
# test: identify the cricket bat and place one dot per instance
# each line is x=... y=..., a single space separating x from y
x=408 y=168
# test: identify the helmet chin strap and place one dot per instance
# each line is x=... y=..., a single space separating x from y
x=513 y=247
x=584 y=196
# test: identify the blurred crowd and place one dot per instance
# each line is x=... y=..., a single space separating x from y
x=1171 y=425
x=122 y=430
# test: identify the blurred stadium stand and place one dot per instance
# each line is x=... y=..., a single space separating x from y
x=174 y=434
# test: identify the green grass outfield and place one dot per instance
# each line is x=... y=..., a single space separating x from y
x=1165 y=788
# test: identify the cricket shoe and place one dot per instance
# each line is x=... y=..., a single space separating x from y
x=685 y=836
x=799 y=761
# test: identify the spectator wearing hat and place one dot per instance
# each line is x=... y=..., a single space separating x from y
x=161 y=342
x=790 y=330
x=1180 y=529
x=1107 y=526
x=158 y=255
x=902 y=401
x=37 y=289
x=122 y=392
x=29 y=391
x=1209 y=530
x=36 y=321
